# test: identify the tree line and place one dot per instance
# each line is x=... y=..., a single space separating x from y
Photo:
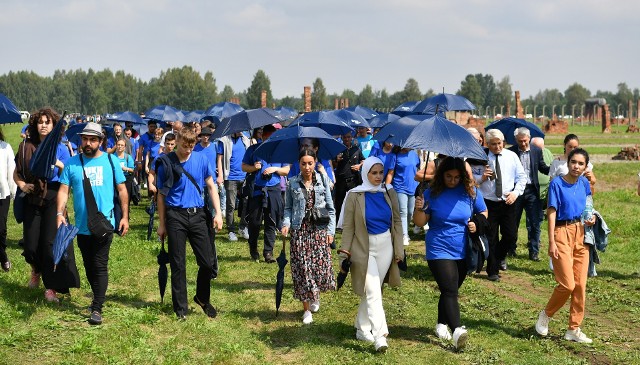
x=101 y=92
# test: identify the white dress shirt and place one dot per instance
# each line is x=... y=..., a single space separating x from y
x=7 y=166
x=513 y=176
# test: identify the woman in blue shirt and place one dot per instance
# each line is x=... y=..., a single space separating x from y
x=448 y=206
x=126 y=164
x=402 y=171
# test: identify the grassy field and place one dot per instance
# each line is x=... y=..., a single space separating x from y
x=139 y=329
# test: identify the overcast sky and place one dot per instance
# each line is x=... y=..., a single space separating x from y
x=348 y=43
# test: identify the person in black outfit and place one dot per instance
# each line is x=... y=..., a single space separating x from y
x=347 y=170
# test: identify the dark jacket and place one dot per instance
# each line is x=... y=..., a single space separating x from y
x=537 y=164
x=477 y=244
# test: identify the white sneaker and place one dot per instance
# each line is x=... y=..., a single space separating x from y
x=577 y=335
x=307 y=317
x=245 y=233
x=542 y=326
x=365 y=336
x=442 y=331
x=417 y=229
x=232 y=237
x=380 y=344
x=405 y=240
x=314 y=306
x=460 y=337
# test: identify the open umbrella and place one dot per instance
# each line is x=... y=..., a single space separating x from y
x=64 y=236
x=8 y=112
x=443 y=103
x=219 y=111
x=282 y=262
x=286 y=114
x=151 y=210
x=325 y=120
x=432 y=133
x=44 y=158
x=165 y=113
x=127 y=116
x=193 y=116
x=283 y=144
x=508 y=125
x=344 y=269
x=383 y=119
x=244 y=121
x=163 y=274
x=363 y=111
x=353 y=119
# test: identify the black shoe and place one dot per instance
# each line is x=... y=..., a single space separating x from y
x=333 y=245
x=268 y=258
x=255 y=257
x=208 y=309
x=95 y=318
x=534 y=257
x=494 y=277
x=503 y=265
x=181 y=317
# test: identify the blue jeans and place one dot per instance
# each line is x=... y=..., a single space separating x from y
x=407 y=202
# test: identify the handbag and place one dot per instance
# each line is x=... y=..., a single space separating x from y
x=321 y=215
x=97 y=223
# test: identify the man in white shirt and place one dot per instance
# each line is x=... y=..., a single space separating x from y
x=502 y=182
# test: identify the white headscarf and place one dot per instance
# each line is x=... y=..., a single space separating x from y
x=366 y=185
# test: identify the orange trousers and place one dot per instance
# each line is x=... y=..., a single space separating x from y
x=570 y=269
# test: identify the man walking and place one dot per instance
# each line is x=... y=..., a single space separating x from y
x=231 y=150
x=101 y=173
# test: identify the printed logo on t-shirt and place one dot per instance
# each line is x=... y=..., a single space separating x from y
x=95 y=175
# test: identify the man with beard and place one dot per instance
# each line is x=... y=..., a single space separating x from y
x=101 y=174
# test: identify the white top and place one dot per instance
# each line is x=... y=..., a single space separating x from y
x=7 y=166
x=559 y=168
x=513 y=176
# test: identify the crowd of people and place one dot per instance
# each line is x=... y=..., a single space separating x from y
x=372 y=192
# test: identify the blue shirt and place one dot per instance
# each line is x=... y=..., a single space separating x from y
x=261 y=180
x=569 y=200
x=154 y=150
x=388 y=159
x=183 y=194
x=100 y=174
x=449 y=214
x=235 y=163
x=126 y=161
x=211 y=154
x=377 y=213
x=366 y=143
x=62 y=154
x=144 y=142
x=405 y=167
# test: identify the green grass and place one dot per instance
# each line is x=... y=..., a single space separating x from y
x=139 y=329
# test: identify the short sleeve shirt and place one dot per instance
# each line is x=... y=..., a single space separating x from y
x=183 y=194
x=568 y=199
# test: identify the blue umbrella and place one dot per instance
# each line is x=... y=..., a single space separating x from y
x=443 y=103
x=353 y=119
x=8 y=112
x=64 y=236
x=432 y=133
x=383 y=119
x=287 y=114
x=325 y=120
x=363 y=111
x=508 y=125
x=164 y=113
x=73 y=130
x=151 y=210
x=44 y=158
x=284 y=144
x=244 y=121
x=193 y=116
x=405 y=108
x=219 y=111
x=127 y=116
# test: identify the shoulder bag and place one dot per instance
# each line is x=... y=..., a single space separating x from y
x=98 y=224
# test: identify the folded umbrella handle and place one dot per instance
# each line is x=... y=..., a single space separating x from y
x=345 y=252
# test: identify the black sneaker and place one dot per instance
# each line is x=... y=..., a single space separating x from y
x=208 y=309
x=95 y=318
x=493 y=277
x=268 y=258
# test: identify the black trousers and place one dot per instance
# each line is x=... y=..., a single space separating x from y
x=449 y=275
x=268 y=208
x=182 y=225
x=502 y=221
x=95 y=254
x=4 y=214
x=340 y=189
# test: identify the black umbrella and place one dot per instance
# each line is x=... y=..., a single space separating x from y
x=163 y=274
x=151 y=210
x=282 y=262
x=44 y=158
x=344 y=268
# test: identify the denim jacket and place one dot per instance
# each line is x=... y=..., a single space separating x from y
x=294 y=202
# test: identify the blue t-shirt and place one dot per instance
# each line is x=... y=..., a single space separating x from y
x=126 y=161
x=111 y=142
x=100 y=174
x=144 y=142
x=449 y=213
x=568 y=199
x=294 y=170
x=366 y=143
x=388 y=159
x=235 y=163
x=273 y=179
x=134 y=145
x=154 y=150
x=377 y=213
x=405 y=167
x=183 y=194
x=62 y=154
x=210 y=152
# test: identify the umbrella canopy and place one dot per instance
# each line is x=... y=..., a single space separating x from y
x=353 y=119
x=219 y=111
x=443 y=103
x=286 y=114
x=127 y=116
x=151 y=210
x=44 y=158
x=508 y=125
x=283 y=144
x=325 y=120
x=432 y=133
x=8 y=112
x=344 y=269
x=383 y=119
x=164 y=113
x=282 y=262
x=363 y=111
x=64 y=236
x=193 y=116
x=72 y=132
x=244 y=121
x=406 y=106
x=163 y=274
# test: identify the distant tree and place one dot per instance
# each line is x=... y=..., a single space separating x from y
x=292 y=102
x=411 y=91
x=366 y=97
x=504 y=94
x=351 y=95
x=382 y=100
x=226 y=94
x=576 y=94
x=470 y=89
x=319 y=99
x=254 y=93
x=488 y=89
x=622 y=97
x=428 y=94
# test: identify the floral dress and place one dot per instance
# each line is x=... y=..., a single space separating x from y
x=311 y=268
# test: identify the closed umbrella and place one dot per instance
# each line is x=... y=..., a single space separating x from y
x=163 y=274
x=64 y=236
x=44 y=158
x=9 y=113
x=508 y=125
x=244 y=121
x=344 y=269
x=283 y=144
x=282 y=262
x=151 y=210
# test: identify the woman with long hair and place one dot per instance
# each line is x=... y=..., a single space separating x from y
x=126 y=163
x=560 y=167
